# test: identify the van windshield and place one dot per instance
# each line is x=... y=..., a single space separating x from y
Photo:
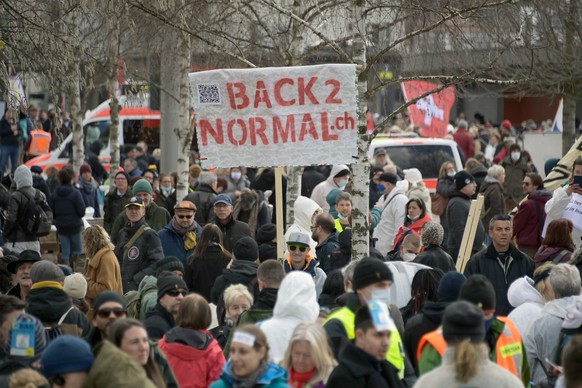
x=427 y=158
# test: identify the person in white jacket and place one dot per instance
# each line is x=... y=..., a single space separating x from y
x=305 y=212
x=338 y=179
x=561 y=198
x=393 y=205
x=296 y=303
x=528 y=303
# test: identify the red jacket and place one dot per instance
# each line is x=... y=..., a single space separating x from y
x=415 y=227
x=196 y=365
x=465 y=141
x=526 y=222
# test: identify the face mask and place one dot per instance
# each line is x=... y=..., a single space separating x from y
x=382 y=295
x=167 y=190
x=408 y=256
x=342 y=183
x=414 y=218
x=342 y=217
x=515 y=155
x=380 y=188
x=235 y=175
x=451 y=173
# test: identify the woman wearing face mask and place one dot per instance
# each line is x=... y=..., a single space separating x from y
x=416 y=217
x=445 y=188
x=237 y=181
x=166 y=194
x=515 y=169
x=249 y=364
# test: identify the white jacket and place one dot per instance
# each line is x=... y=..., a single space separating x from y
x=528 y=303
x=391 y=219
x=304 y=209
x=320 y=192
x=296 y=303
x=555 y=208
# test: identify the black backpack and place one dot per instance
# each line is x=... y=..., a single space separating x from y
x=37 y=217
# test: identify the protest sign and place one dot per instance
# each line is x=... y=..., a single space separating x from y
x=291 y=116
x=431 y=113
x=573 y=211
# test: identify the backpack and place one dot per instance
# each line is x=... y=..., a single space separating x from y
x=134 y=300
x=38 y=217
x=53 y=331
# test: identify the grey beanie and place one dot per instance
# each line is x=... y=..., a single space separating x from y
x=22 y=177
x=44 y=270
x=432 y=234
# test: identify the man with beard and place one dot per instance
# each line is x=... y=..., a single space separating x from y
x=107 y=308
x=179 y=237
x=171 y=292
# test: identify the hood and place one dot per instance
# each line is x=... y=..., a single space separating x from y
x=48 y=303
x=480 y=170
x=546 y=252
x=64 y=190
x=240 y=271
x=542 y=195
x=558 y=307
x=489 y=180
x=86 y=186
x=146 y=282
x=434 y=311
x=522 y=290
x=298 y=297
x=187 y=344
x=22 y=177
x=334 y=171
x=304 y=208
x=398 y=189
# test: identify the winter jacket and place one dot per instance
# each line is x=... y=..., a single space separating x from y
x=240 y=272
x=547 y=253
x=488 y=374
x=17 y=208
x=297 y=304
x=88 y=190
x=173 y=243
x=49 y=302
x=7 y=137
x=232 y=231
x=530 y=218
x=514 y=174
x=201 y=272
x=115 y=368
x=494 y=202
x=324 y=251
x=555 y=208
x=304 y=209
x=68 y=209
x=233 y=186
x=414 y=227
x=312 y=268
x=527 y=302
x=158 y=322
x=168 y=202
x=457 y=214
x=39 y=183
x=194 y=355
x=446 y=188
x=103 y=274
x=465 y=142
x=138 y=260
x=392 y=217
x=203 y=198
x=488 y=264
x=156 y=218
x=543 y=335
x=266 y=181
x=275 y=377
x=113 y=206
x=479 y=173
x=321 y=191
x=435 y=257
x=358 y=369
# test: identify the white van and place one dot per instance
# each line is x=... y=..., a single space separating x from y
x=136 y=122
x=426 y=154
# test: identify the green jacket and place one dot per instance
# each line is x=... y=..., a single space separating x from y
x=430 y=358
x=156 y=218
x=249 y=317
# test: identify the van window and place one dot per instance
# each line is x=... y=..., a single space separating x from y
x=427 y=158
x=147 y=130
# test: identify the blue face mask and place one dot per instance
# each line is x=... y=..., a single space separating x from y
x=380 y=188
x=413 y=218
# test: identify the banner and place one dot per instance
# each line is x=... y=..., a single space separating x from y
x=573 y=211
x=431 y=113
x=287 y=116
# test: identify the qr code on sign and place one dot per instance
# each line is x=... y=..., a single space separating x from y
x=209 y=94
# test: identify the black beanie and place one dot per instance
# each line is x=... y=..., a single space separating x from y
x=369 y=271
x=169 y=263
x=462 y=179
x=266 y=233
x=167 y=281
x=246 y=249
x=108 y=296
x=478 y=290
x=449 y=286
x=463 y=320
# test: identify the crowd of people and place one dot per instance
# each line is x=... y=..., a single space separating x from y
x=190 y=292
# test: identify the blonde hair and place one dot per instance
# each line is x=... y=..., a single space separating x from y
x=541 y=285
x=320 y=350
x=467 y=359
x=95 y=239
x=27 y=378
x=233 y=292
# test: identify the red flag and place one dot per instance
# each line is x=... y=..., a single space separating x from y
x=432 y=112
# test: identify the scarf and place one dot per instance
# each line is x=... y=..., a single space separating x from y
x=300 y=380
x=250 y=380
x=188 y=234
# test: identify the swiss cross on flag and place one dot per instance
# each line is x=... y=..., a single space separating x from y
x=432 y=112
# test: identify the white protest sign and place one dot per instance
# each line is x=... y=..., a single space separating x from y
x=286 y=116
x=573 y=211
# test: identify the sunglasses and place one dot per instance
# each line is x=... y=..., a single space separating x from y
x=186 y=216
x=301 y=248
x=57 y=380
x=106 y=312
x=175 y=293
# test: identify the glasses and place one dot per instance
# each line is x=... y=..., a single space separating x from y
x=58 y=380
x=186 y=216
x=175 y=293
x=106 y=312
x=301 y=248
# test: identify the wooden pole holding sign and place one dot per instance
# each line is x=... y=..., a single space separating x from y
x=469 y=234
x=279 y=210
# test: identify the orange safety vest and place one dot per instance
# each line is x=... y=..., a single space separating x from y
x=40 y=142
x=508 y=349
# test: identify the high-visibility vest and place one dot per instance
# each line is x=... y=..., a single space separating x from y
x=508 y=349
x=338 y=225
x=395 y=354
x=40 y=142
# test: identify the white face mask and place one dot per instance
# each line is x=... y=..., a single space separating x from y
x=382 y=295
x=235 y=175
x=408 y=256
x=167 y=190
x=515 y=155
x=342 y=217
x=342 y=183
x=451 y=173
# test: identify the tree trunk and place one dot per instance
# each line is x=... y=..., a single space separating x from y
x=112 y=87
x=568 y=123
x=77 y=119
x=361 y=168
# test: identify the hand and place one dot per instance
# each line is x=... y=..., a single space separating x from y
x=573 y=188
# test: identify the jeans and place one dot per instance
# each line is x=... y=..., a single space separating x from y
x=12 y=152
x=70 y=243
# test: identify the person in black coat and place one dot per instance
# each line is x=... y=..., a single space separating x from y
x=432 y=314
x=92 y=159
x=434 y=256
x=68 y=210
x=39 y=183
x=171 y=292
x=232 y=230
x=363 y=362
x=311 y=177
x=265 y=180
